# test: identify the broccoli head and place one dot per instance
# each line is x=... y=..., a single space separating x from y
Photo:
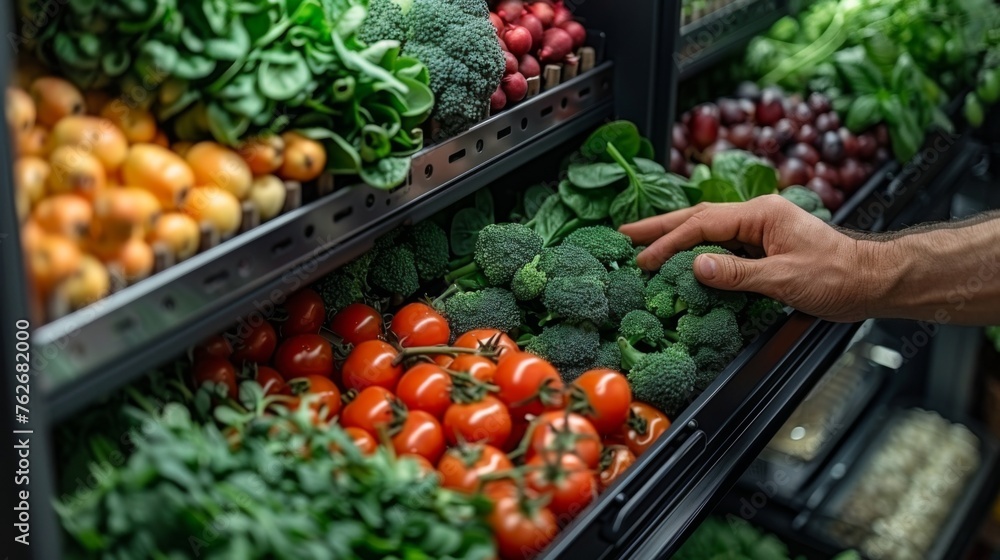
x=338 y=290
x=661 y=298
x=761 y=314
x=606 y=244
x=609 y=356
x=626 y=292
x=459 y=46
x=384 y=21
x=662 y=379
x=713 y=340
x=529 y=281
x=566 y=345
x=641 y=326
x=692 y=294
x=490 y=308
x=429 y=244
x=807 y=200
x=502 y=249
x=570 y=261
x=394 y=272
x=576 y=299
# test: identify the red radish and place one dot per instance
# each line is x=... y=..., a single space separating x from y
x=498 y=100
x=561 y=15
x=576 y=31
x=556 y=44
x=518 y=39
x=510 y=10
x=529 y=66
x=534 y=26
x=497 y=22
x=515 y=86
x=543 y=12
x=511 y=63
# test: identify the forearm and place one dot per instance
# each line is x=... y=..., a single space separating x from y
x=947 y=273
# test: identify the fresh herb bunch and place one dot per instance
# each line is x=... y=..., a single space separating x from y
x=228 y=70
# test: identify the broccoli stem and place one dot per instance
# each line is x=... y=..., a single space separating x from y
x=460 y=262
x=629 y=353
x=450 y=291
x=671 y=335
x=463 y=271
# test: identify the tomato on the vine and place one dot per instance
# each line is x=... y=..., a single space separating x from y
x=421 y=435
x=364 y=441
x=256 y=344
x=357 y=323
x=418 y=324
x=272 y=381
x=371 y=408
x=371 y=363
x=644 y=426
x=570 y=484
x=561 y=432
x=480 y=367
x=485 y=421
x=306 y=313
x=218 y=371
x=602 y=396
x=522 y=528
x=462 y=468
x=323 y=394
x=528 y=384
x=614 y=461
x=215 y=346
x=426 y=387
x=304 y=354
x=479 y=338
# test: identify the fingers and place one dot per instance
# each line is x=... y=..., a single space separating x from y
x=727 y=272
x=650 y=229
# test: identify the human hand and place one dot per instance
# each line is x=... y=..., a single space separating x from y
x=805 y=262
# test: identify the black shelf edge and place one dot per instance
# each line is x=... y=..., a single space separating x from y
x=101 y=347
x=709 y=39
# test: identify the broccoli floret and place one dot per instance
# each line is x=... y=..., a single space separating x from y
x=661 y=298
x=631 y=263
x=576 y=299
x=459 y=46
x=692 y=294
x=609 y=356
x=529 y=281
x=761 y=314
x=607 y=245
x=641 y=326
x=626 y=292
x=429 y=244
x=662 y=379
x=713 y=340
x=384 y=21
x=394 y=272
x=570 y=261
x=338 y=290
x=566 y=345
x=490 y=308
x=502 y=249
x=808 y=201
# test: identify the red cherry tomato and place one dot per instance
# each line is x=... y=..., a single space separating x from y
x=357 y=323
x=521 y=529
x=306 y=313
x=272 y=381
x=219 y=371
x=371 y=363
x=614 y=461
x=644 y=426
x=420 y=435
x=417 y=324
x=478 y=338
x=215 y=346
x=528 y=384
x=323 y=394
x=487 y=421
x=426 y=387
x=255 y=344
x=560 y=432
x=373 y=407
x=602 y=396
x=463 y=468
x=479 y=367
x=304 y=354
x=570 y=484
x=364 y=441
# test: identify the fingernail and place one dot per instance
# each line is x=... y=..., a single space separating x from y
x=706 y=266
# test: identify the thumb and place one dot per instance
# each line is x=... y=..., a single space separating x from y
x=728 y=272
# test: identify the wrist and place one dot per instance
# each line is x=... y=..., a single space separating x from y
x=884 y=266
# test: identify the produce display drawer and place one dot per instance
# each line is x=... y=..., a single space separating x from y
x=84 y=355
x=705 y=41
